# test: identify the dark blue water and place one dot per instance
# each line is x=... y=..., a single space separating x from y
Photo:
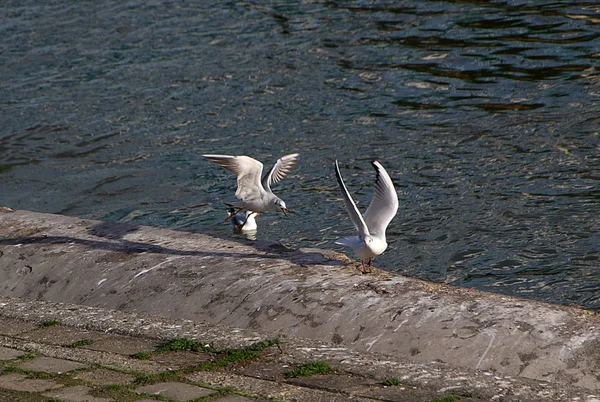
x=485 y=114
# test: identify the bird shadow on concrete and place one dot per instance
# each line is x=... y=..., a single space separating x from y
x=111 y=238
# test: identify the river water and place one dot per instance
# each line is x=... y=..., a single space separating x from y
x=485 y=114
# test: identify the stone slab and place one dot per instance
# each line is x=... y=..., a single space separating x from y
x=12 y=327
x=272 y=389
x=340 y=383
x=10 y=354
x=235 y=398
x=123 y=345
x=77 y=393
x=103 y=377
x=20 y=382
x=61 y=335
x=431 y=381
x=180 y=359
x=175 y=390
x=50 y=365
x=302 y=293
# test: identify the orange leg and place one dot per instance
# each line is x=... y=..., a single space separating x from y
x=364 y=269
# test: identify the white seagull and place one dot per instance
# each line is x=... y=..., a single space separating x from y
x=371 y=226
x=241 y=223
x=253 y=191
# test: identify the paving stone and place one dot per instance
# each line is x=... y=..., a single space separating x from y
x=402 y=393
x=50 y=365
x=78 y=393
x=60 y=335
x=104 y=377
x=20 y=382
x=234 y=398
x=175 y=390
x=11 y=327
x=9 y=354
x=180 y=359
x=272 y=389
x=123 y=345
x=339 y=383
x=274 y=372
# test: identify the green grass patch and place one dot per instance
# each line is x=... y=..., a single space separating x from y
x=40 y=375
x=310 y=368
x=78 y=344
x=222 y=358
x=117 y=392
x=141 y=355
x=456 y=397
x=391 y=382
x=48 y=323
x=182 y=344
x=448 y=398
x=262 y=345
x=27 y=356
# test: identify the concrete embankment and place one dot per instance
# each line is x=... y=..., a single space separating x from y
x=311 y=294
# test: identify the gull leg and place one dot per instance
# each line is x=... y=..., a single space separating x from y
x=233 y=214
x=364 y=269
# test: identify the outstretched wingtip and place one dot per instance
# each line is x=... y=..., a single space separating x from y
x=378 y=169
x=338 y=174
x=376 y=164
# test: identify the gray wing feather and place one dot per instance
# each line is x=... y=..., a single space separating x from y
x=248 y=171
x=279 y=170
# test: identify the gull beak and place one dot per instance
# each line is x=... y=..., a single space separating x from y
x=284 y=210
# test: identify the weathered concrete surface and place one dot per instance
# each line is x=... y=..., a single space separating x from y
x=358 y=376
x=306 y=293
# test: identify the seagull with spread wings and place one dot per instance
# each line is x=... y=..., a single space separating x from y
x=253 y=191
x=371 y=226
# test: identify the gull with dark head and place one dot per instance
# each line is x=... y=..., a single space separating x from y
x=371 y=226
x=254 y=191
x=242 y=223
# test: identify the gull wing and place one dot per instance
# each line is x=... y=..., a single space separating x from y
x=248 y=171
x=384 y=205
x=353 y=211
x=279 y=170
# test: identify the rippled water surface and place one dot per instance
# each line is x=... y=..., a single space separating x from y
x=485 y=114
